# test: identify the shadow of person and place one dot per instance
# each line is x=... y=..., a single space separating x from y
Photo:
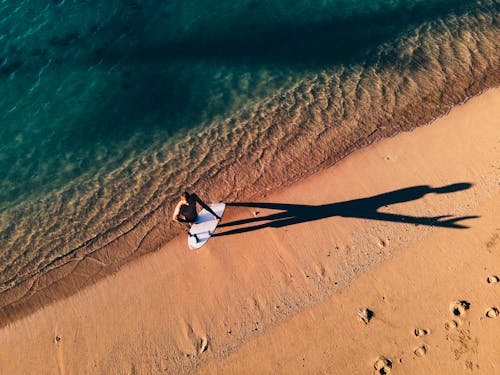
x=363 y=208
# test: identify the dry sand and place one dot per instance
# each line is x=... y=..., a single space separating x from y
x=284 y=295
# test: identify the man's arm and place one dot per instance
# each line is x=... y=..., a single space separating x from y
x=206 y=207
x=176 y=216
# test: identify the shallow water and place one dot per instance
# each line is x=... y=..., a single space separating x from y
x=109 y=109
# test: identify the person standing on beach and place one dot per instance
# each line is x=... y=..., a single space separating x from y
x=185 y=212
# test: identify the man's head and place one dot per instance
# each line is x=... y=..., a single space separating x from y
x=185 y=196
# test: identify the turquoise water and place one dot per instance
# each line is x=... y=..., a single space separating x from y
x=109 y=109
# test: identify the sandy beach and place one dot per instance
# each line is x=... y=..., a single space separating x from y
x=386 y=262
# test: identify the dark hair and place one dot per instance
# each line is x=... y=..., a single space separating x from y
x=185 y=195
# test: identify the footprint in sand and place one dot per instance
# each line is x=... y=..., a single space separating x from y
x=202 y=345
x=459 y=308
x=452 y=324
x=420 y=351
x=383 y=365
x=365 y=315
x=492 y=279
x=420 y=332
x=492 y=313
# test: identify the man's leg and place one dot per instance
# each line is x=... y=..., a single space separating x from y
x=186 y=224
x=188 y=228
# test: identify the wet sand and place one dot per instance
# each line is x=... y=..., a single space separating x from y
x=280 y=289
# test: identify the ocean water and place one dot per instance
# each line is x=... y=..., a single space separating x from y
x=108 y=109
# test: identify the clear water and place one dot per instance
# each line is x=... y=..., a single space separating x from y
x=109 y=108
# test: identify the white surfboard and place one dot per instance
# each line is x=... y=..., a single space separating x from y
x=205 y=225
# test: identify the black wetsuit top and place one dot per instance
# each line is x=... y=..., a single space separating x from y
x=189 y=210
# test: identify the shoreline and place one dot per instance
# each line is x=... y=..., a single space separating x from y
x=180 y=310
x=238 y=131
x=133 y=243
x=21 y=298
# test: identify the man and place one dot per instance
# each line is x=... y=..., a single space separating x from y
x=185 y=212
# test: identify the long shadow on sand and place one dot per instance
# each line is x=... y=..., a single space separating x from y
x=364 y=208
